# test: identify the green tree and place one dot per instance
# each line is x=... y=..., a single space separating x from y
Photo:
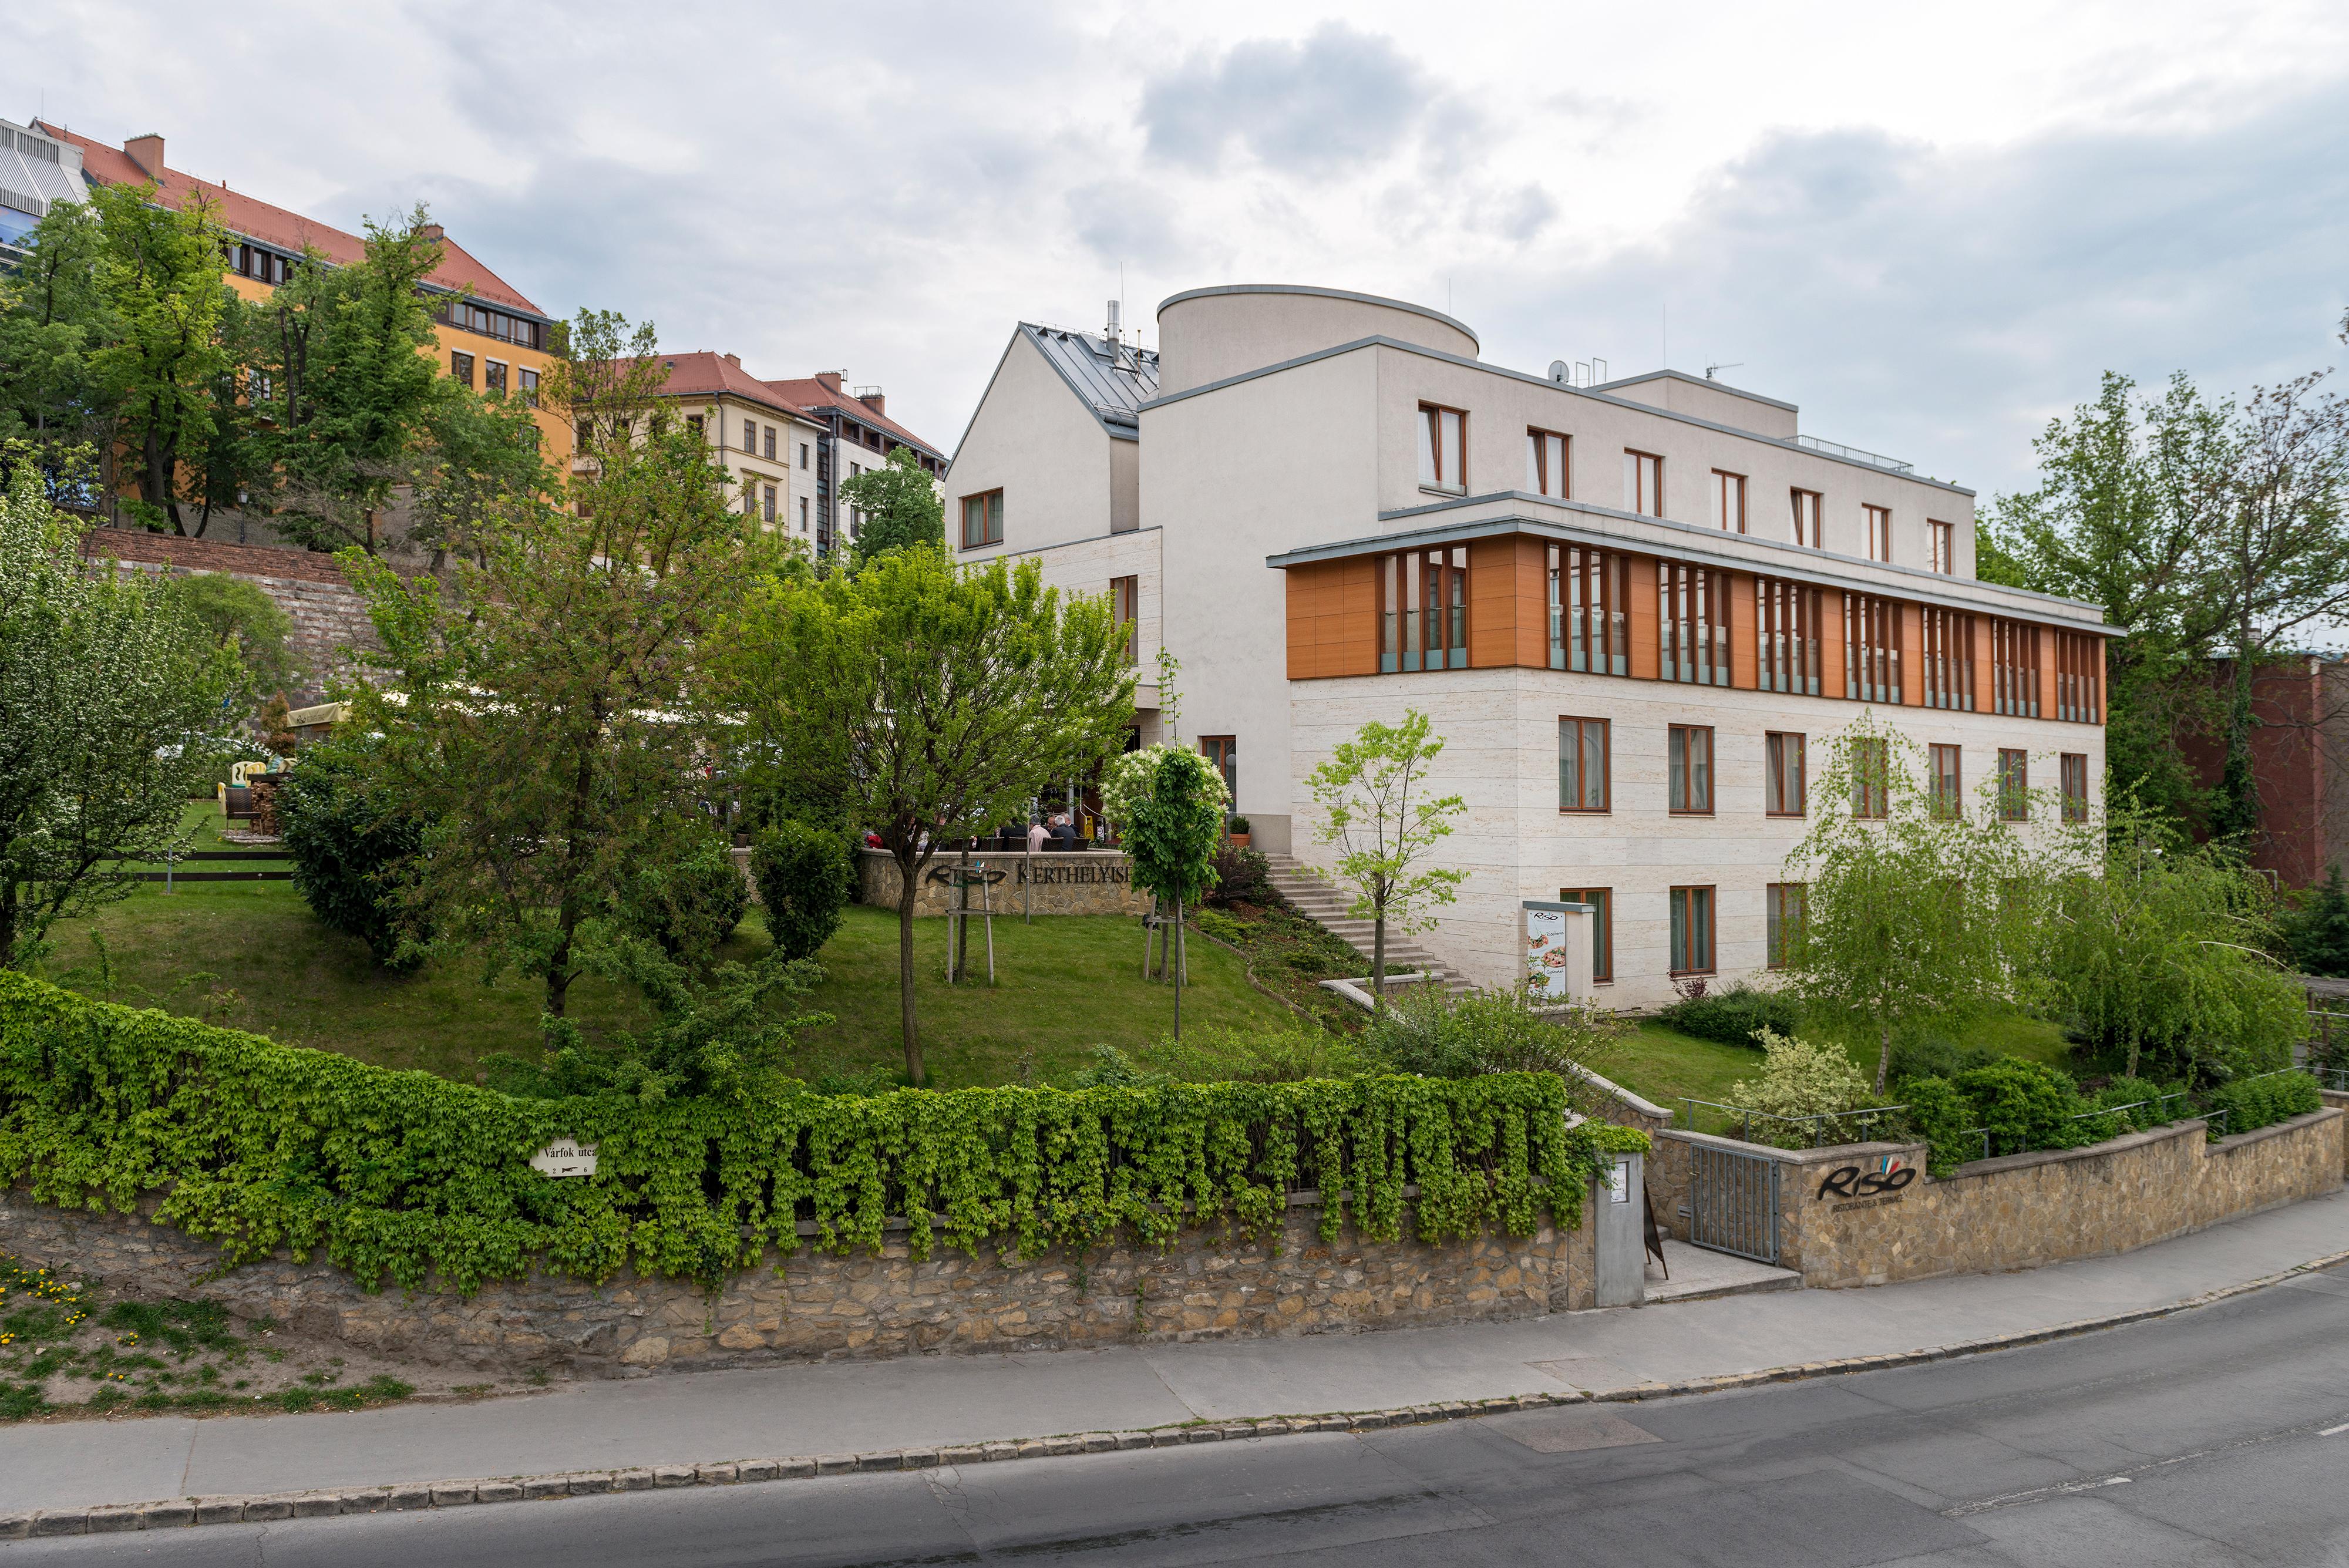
x=353 y=849
x=52 y=315
x=1168 y=802
x=2319 y=932
x=547 y=711
x=1915 y=920
x=1382 y=835
x=111 y=705
x=237 y=614
x=896 y=505
x=932 y=699
x=479 y=456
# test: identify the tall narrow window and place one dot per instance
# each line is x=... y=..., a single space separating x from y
x=1587 y=630
x=1602 y=927
x=1945 y=546
x=2079 y=677
x=1807 y=520
x=1125 y=597
x=750 y=435
x=1643 y=483
x=982 y=519
x=530 y=388
x=1545 y=455
x=1949 y=789
x=1423 y=610
x=2014 y=669
x=767 y=503
x=1729 y=501
x=1947 y=659
x=693 y=423
x=1688 y=769
x=768 y=447
x=493 y=376
x=802 y=454
x=2014 y=785
x=1223 y=753
x=1783 y=789
x=1443 y=448
x=1871 y=779
x=1786 y=636
x=804 y=514
x=1692 y=949
x=1582 y=765
x=2075 y=786
x=1879 y=533
x=1782 y=904
x=1872 y=648
x=1693 y=624
x=461 y=366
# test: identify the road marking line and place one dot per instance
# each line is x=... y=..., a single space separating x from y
x=2335 y=1431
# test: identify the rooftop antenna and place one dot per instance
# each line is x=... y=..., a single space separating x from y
x=1732 y=365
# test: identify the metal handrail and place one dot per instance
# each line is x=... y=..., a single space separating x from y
x=1748 y=1112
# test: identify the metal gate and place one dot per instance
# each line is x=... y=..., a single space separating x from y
x=1733 y=1202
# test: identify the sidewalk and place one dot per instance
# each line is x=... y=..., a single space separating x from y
x=861 y=1407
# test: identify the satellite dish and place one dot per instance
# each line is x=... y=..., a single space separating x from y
x=1557 y=371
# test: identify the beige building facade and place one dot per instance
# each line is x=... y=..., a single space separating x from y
x=1626 y=609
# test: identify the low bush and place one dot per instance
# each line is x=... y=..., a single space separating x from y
x=404 y=1176
x=1242 y=875
x=353 y=849
x=1734 y=1017
x=1221 y=927
x=690 y=901
x=1425 y=1031
x=2250 y=1103
x=1803 y=1079
x=805 y=877
x=1938 y=1056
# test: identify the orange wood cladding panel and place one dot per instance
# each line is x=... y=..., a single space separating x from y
x=1743 y=675
x=1533 y=602
x=1835 y=677
x=1912 y=656
x=2048 y=663
x=1647 y=653
x=1493 y=606
x=1985 y=688
x=1333 y=622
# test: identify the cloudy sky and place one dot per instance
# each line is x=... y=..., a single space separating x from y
x=1931 y=231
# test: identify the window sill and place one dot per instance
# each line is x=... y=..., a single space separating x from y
x=1670 y=812
x=1586 y=811
x=1787 y=816
x=1443 y=490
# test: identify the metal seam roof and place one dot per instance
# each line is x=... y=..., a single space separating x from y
x=1115 y=391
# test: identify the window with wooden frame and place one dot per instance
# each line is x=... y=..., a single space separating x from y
x=1786 y=637
x=749 y=496
x=493 y=376
x=804 y=514
x=2079 y=677
x=803 y=454
x=1423 y=610
x=1223 y=753
x=1692 y=923
x=750 y=435
x=1879 y=533
x=461 y=366
x=1442 y=449
x=1643 y=483
x=1125 y=597
x=1602 y=927
x=767 y=447
x=2014 y=785
x=1947 y=659
x=1693 y=624
x=1546 y=455
x=1782 y=907
x=693 y=423
x=1588 y=627
x=1948 y=799
x=530 y=389
x=2014 y=669
x=1871 y=779
x=1807 y=532
x=2074 y=766
x=767 y=503
x=1582 y=758
x=1784 y=787
x=1688 y=770
x=1872 y=648
x=1943 y=537
x=1728 y=502
x=982 y=519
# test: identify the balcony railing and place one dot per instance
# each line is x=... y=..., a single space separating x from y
x=1857 y=454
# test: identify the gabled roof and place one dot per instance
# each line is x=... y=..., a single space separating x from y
x=274 y=226
x=708 y=375
x=823 y=392
x=1112 y=379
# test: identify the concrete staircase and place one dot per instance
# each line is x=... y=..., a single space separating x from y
x=1320 y=902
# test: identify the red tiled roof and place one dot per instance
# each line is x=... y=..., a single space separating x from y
x=810 y=392
x=703 y=374
x=257 y=220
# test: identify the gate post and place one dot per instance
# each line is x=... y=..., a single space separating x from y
x=1615 y=1219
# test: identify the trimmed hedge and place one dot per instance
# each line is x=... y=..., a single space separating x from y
x=2027 y=1106
x=1733 y=1016
x=2263 y=1101
x=403 y=1174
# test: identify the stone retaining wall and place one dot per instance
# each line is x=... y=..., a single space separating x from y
x=1208 y=1285
x=1075 y=882
x=2016 y=1211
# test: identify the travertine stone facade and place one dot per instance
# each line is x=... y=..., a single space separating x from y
x=1210 y=1284
x=2020 y=1210
x=1077 y=882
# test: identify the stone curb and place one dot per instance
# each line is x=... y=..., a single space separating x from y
x=177 y=1513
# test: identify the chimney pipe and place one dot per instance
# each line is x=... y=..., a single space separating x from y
x=147 y=151
x=1110 y=331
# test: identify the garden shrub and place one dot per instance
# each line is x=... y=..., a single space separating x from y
x=1803 y=1079
x=1939 y=1057
x=353 y=849
x=1221 y=927
x=2025 y=1104
x=805 y=877
x=1242 y=875
x=410 y=1176
x=1733 y=1016
x=1425 y=1031
x=690 y=901
x=2260 y=1102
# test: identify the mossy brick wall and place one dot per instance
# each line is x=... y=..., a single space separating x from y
x=1210 y=1284
x=2020 y=1210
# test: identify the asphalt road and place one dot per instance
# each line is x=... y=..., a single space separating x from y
x=2216 y=1436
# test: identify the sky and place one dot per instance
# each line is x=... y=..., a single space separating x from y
x=1932 y=227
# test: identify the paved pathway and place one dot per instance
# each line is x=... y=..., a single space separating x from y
x=854 y=1407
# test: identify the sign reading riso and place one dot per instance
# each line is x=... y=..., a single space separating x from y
x=1867 y=1188
x=564 y=1157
